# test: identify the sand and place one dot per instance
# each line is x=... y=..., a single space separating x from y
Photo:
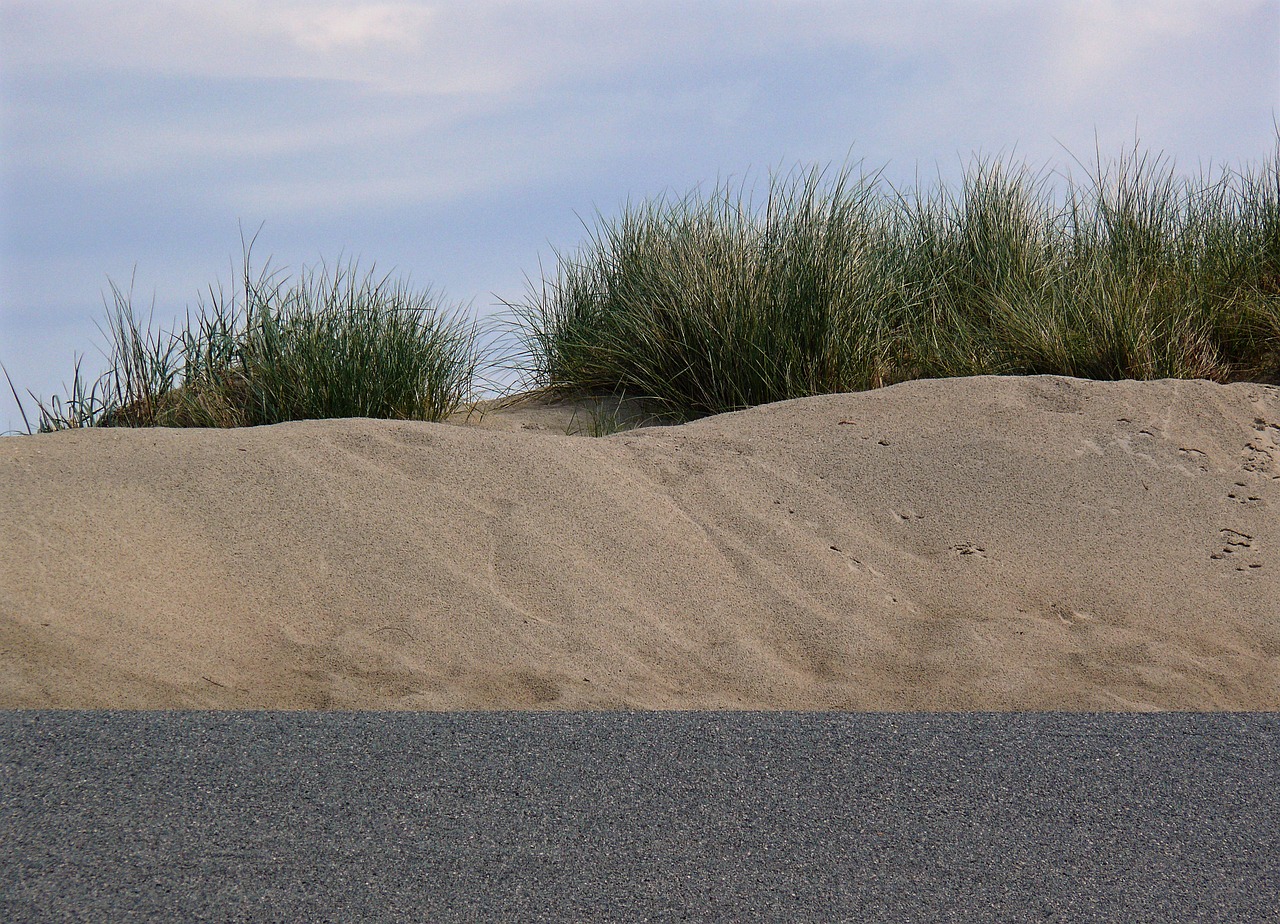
x=989 y=543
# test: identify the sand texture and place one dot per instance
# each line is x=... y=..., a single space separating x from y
x=962 y=544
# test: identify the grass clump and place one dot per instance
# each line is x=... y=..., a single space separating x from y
x=330 y=344
x=708 y=304
x=713 y=302
x=701 y=305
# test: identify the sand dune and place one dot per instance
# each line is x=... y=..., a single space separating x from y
x=985 y=543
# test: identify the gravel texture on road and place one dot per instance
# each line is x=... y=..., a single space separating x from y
x=692 y=816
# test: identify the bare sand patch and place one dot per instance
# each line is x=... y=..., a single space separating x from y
x=981 y=543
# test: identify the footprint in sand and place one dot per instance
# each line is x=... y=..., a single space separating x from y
x=1258 y=459
x=1260 y=452
x=1197 y=459
x=1072 y=617
x=1241 y=496
x=969 y=550
x=856 y=564
x=1238 y=548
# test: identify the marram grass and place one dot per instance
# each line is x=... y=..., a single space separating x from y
x=715 y=302
x=708 y=303
x=330 y=344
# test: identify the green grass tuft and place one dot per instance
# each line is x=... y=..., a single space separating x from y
x=708 y=304
x=714 y=302
x=331 y=344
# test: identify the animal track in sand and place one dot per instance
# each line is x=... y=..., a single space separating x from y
x=969 y=550
x=1237 y=547
x=1258 y=459
x=904 y=516
x=1072 y=617
x=1153 y=447
x=856 y=564
x=1194 y=456
x=882 y=585
x=1243 y=497
x=1260 y=452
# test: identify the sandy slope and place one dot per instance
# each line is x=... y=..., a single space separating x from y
x=986 y=543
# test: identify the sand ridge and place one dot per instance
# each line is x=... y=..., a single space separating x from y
x=981 y=543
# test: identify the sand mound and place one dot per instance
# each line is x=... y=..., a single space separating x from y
x=985 y=543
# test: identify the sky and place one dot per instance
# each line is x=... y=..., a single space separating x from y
x=459 y=145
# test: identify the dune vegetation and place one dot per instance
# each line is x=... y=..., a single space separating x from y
x=715 y=301
x=708 y=304
x=328 y=344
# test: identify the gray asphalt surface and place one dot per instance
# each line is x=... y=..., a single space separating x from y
x=639 y=817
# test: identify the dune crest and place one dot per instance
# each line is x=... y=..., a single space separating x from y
x=967 y=544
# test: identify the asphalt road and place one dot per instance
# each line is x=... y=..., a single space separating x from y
x=192 y=816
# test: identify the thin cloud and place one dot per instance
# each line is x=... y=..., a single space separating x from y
x=363 y=27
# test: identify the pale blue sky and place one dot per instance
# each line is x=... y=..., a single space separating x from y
x=457 y=143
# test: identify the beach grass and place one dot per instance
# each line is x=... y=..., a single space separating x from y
x=711 y=303
x=331 y=343
x=831 y=281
